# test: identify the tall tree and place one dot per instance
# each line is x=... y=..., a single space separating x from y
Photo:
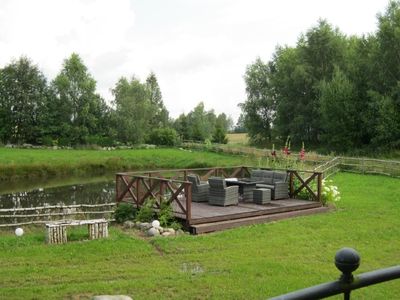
x=23 y=93
x=182 y=127
x=134 y=110
x=259 y=108
x=200 y=123
x=387 y=93
x=76 y=95
x=160 y=116
x=339 y=113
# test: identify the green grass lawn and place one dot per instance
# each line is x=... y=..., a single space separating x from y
x=253 y=262
x=22 y=163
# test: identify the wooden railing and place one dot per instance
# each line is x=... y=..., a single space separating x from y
x=312 y=184
x=172 y=186
x=360 y=165
x=167 y=185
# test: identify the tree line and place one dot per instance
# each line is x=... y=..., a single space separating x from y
x=335 y=92
x=68 y=111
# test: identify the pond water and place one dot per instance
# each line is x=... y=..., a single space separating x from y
x=69 y=191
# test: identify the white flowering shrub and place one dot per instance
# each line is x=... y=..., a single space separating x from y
x=330 y=193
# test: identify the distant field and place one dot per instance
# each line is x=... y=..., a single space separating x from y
x=250 y=262
x=238 y=138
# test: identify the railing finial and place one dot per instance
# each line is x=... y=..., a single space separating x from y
x=347 y=260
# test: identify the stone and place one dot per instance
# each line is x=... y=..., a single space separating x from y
x=144 y=226
x=166 y=233
x=129 y=224
x=153 y=232
x=155 y=223
x=170 y=230
x=180 y=232
x=111 y=297
x=159 y=228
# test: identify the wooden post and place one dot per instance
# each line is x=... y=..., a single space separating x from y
x=291 y=183
x=117 y=189
x=319 y=187
x=188 y=196
x=137 y=192
x=162 y=191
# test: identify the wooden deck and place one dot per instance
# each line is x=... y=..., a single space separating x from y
x=208 y=218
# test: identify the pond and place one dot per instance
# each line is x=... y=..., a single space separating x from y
x=70 y=191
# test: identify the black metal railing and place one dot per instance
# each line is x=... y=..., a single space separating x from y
x=347 y=261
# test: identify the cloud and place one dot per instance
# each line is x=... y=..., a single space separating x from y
x=198 y=49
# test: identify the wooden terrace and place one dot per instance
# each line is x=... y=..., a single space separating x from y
x=200 y=217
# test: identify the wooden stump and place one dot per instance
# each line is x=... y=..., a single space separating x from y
x=56 y=234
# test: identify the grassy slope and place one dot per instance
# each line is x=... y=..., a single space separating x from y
x=19 y=163
x=246 y=263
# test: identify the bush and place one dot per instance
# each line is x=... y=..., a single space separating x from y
x=124 y=212
x=48 y=141
x=165 y=215
x=146 y=212
x=219 y=136
x=163 y=136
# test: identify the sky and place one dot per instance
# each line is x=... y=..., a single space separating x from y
x=198 y=49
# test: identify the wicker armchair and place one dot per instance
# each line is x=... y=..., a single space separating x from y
x=199 y=189
x=222 y=195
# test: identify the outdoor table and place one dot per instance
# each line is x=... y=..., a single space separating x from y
x=246 y=186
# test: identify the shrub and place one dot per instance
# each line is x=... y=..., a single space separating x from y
x=164 y=136
x=330 y=193
x=146 y=212
x=165 y=215
x=48 y=141
x=124 y=212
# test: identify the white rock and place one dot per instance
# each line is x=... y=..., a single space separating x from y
x=180 y=232
x=155 y=223
x=159 y=228
x=166 y=233
x=170 y=230
x=129 y=224
x=153 y=232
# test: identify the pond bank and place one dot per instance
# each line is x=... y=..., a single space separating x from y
x=17 y=164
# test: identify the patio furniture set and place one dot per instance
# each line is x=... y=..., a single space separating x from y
x=261 y=187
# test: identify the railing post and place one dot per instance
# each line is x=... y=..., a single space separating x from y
x=188 y=196
x=347 y=260
x=137 y=193
x=319 y=186
x=162 y=191
x=117 y=189
x=291 y=183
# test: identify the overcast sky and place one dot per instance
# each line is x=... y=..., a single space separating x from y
x=199 y=49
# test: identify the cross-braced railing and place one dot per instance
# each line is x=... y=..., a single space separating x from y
x=167 y=185
x=312 y=184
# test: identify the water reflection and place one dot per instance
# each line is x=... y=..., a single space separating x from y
x=88 y=193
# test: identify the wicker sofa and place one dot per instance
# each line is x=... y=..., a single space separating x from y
x=276 y=181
